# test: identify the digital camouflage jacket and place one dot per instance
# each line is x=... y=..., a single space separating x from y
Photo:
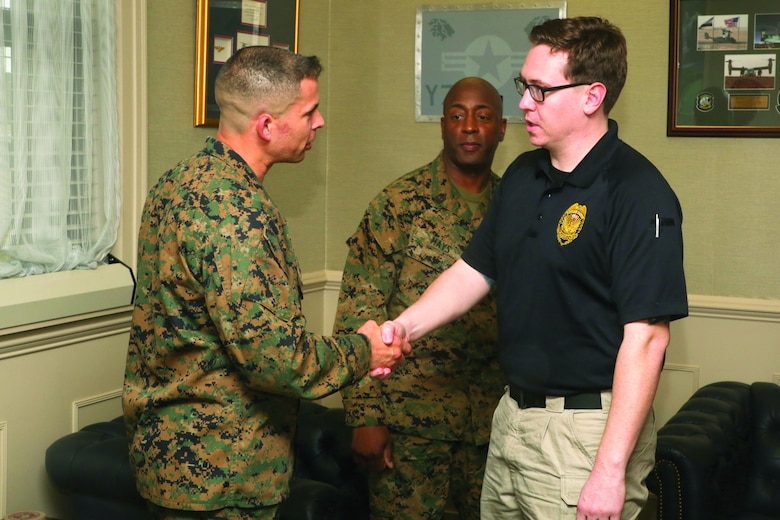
x=448 y=387
x=219 y=353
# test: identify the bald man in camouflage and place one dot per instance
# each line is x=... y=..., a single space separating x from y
x=423 y=432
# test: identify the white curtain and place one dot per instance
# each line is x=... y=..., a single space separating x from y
x=59 y=156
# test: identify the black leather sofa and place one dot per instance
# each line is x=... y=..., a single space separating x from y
x=718 y=457
x=91 y=468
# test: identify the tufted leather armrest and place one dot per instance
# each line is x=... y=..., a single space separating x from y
x=92 y=465
x=324 y=468
x=710 y=455
x=763 y=483
x=313 y=500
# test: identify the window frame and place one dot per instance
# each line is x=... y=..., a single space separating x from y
x=132 y=109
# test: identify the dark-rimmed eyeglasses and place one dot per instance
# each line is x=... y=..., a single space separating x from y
x=537 y=92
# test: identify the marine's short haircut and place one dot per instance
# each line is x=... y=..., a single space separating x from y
x=261 y=79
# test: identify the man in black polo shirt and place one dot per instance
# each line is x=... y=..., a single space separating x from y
x=583 y=240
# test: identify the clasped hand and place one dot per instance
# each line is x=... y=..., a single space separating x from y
x=389 y=345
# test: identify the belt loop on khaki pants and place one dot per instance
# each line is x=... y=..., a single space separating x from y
x=606 y=399
x=555 y=404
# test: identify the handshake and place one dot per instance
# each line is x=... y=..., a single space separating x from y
x=389 y=345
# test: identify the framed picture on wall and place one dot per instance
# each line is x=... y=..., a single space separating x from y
x=723 y=68
x=485 y=40
x=224 y=26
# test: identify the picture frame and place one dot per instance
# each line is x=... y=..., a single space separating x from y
x=222 y=27
x=455 y=41
x=723 y=57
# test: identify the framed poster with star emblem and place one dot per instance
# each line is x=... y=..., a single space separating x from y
x=723 y=68
x=485 y=40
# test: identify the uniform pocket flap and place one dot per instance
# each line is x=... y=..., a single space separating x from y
x=571 y=486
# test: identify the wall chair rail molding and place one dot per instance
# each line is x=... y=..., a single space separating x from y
x=64 y=332
x=725 y=307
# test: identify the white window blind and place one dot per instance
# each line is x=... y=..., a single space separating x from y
x=59 y=157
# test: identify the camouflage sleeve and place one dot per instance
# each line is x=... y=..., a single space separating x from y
x=366 y=288
x=253 y=298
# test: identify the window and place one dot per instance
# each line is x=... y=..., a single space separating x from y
x=59 y=152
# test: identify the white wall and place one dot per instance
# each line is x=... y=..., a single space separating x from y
x=733 y=339
x=53 y=382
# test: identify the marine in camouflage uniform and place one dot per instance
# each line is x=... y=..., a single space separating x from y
x=219 y=354
x=439 y=403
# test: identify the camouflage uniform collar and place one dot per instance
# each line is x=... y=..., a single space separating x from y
x=223 y=151
x=443 y=189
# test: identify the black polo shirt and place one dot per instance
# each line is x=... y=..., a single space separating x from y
x=576 y=260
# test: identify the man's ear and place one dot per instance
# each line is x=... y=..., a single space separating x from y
x=596 y=94
x=263 y=125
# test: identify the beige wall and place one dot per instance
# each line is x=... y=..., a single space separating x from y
x=59 y=376
x=727 y=186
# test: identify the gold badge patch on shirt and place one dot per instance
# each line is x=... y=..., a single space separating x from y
x=571 y=223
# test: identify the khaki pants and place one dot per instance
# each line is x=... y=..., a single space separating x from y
x=540 y=458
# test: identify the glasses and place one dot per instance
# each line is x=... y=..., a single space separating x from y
x=537 y=92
